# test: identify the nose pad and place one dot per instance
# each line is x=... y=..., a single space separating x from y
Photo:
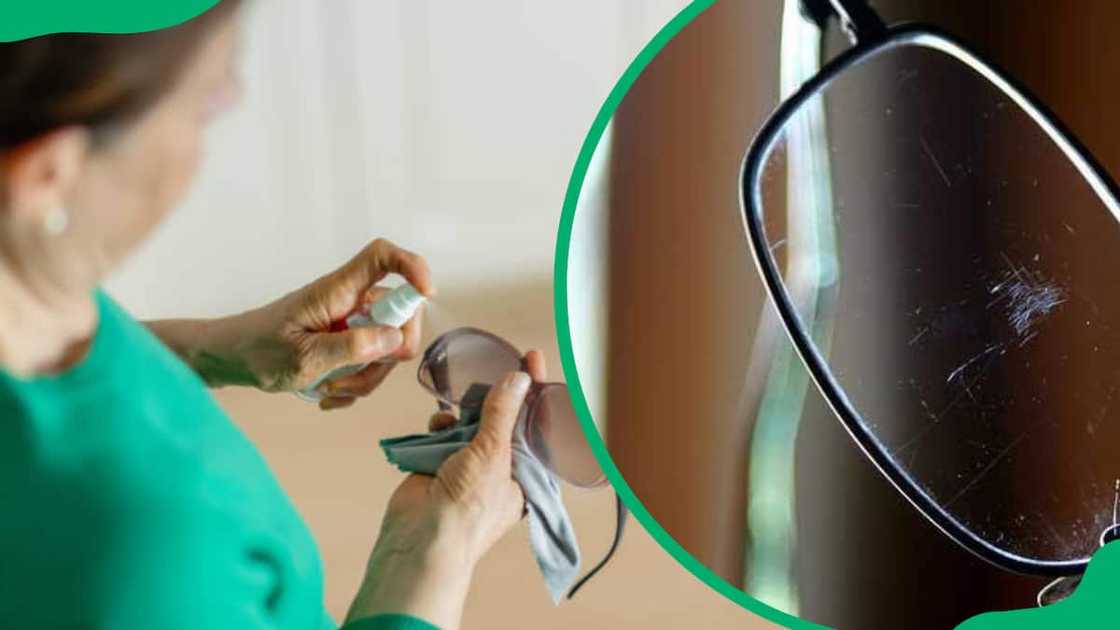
x=1058 y=590
x=1063 y=587
x=1111 y=533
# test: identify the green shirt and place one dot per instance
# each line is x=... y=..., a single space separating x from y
x=128 y=499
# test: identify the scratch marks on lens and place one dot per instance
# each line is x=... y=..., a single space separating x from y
x=960 y=371
x=1018 y=302
x=985 y=470
x=918 y=336
x=936 y=163
x=1026 y=298
x=933 y=420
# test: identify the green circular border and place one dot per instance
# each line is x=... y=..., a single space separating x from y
x=564 y=333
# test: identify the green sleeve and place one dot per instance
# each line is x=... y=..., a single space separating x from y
x=389 y=622
x=129 y=499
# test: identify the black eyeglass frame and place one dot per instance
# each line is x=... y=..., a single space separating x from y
x=871 y=38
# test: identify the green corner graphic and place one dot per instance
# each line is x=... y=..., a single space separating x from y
x=1092 y=605
x=21 y=19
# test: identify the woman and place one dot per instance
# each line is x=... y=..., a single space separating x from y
x=129 y=498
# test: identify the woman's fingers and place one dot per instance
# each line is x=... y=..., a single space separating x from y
x=361 y=384
x=441 y=420
x=372 y=295
x=382 y=257
x=412 y=331
x=535 y=365
x=356 y=346
x=338 y=293
x=499 y=413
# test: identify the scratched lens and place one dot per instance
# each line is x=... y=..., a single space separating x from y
x=958 y=272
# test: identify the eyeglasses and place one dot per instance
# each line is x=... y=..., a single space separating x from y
x=460 y=366
x=942 y=251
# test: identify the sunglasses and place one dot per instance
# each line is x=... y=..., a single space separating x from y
x=460 y=366
x=466 y=357
x=941 y=251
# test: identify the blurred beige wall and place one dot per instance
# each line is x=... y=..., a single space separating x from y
x=449 y=127
x=340 y=481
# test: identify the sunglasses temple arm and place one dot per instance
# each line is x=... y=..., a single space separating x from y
x=620 y=524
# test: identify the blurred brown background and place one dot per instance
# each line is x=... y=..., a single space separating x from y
x=685 y=301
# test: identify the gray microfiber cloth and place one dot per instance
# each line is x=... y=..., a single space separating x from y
x=551 y=536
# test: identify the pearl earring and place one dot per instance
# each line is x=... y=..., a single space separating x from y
x=56 y=221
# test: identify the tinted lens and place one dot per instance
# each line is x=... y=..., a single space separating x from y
x=556 y=438
x=957 y=270
x=464 y=357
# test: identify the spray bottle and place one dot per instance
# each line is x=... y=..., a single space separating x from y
x=393 y=309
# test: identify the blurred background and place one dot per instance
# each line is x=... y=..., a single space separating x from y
x=667 y=333
x=450 y=128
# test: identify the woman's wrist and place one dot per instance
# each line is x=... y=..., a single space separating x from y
x=221 y=351
x=421 y=571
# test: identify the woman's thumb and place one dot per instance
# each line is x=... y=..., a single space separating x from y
x=356 y=346
x=500 y=411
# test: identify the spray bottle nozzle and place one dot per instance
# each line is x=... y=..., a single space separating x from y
x=394 y=308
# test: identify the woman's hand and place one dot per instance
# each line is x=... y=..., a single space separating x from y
x=287 y=345
x=437 y=528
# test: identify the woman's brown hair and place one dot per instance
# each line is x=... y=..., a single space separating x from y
x=97 y=81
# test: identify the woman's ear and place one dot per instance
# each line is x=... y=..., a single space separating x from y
x=37 y=177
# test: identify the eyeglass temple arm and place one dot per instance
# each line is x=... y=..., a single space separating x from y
x=621 y=512
x=857 y=19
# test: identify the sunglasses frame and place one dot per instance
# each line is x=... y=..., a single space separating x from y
x=532 y=400
x=879 y=42
x=439 y=346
